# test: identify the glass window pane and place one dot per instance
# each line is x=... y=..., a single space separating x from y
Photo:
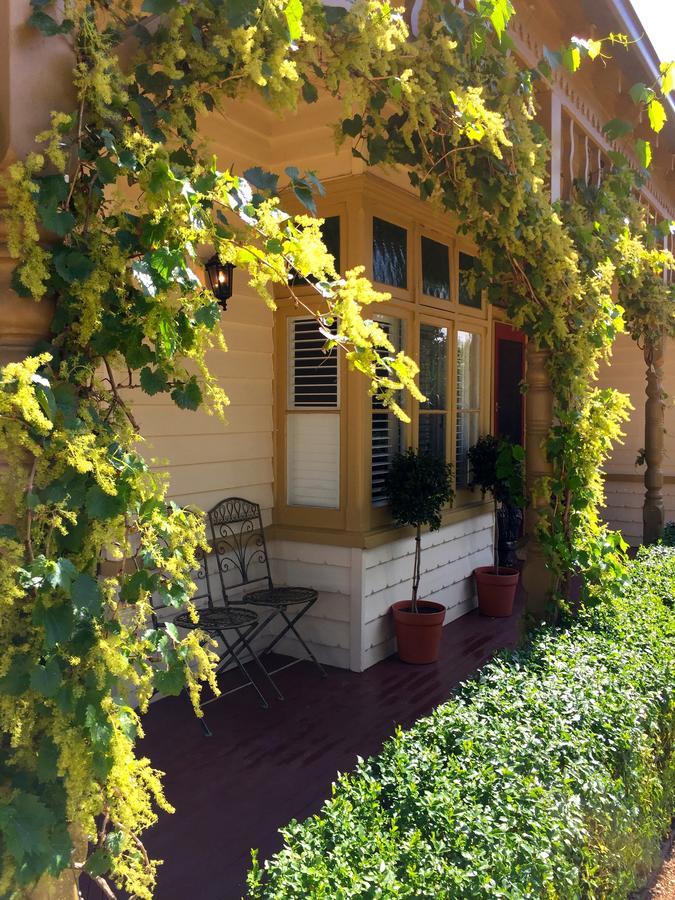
x=468 y=370
x=331 y=238
x=433 y=366
x=467 y=297
x=387 y=430
x=390 y=253
x=467 y=435
x=432 y=434
x=435 y=269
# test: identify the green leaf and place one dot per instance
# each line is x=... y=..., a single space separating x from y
x=640 y=93
x=643 y=150
x=44 y=23
x=101 y=505
x=240 y=12
x=72 y=265
x=293 y=12
x=56 y=220
x=57 y=622
x=170 y=682
x=9 y=532
x=261 y=179
x=87 y=595
x=309 y=92
x=208 y=315
x=304 y=194
x=98 y=863
x=153 y=381
x=46 y=679
x=156 y=7
x=667 y=77
x=188 y=395
x=571 y=58
x=657 y=115
x=617 y=128
x=553 y=58
x=352 y=127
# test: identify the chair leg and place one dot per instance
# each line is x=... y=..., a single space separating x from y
x=257 y=661
x=290 y=626
x=202 y=721
x=242 y=667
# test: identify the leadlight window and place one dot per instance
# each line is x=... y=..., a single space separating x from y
x=386 y=428
x=433 y=384
x=390 y=254
x=468 y=296
x=468 y=403
x=435 y=269
x=313 y=418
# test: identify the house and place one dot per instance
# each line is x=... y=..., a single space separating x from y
x=303 y=437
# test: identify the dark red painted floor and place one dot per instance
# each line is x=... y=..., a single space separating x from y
x=263 y=767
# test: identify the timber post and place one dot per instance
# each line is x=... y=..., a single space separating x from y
x=537 y=578
x=652 y=510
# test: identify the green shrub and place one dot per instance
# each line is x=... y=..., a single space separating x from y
x=550 y=775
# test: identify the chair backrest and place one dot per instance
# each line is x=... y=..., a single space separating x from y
x=239 y=544
x=202 y=577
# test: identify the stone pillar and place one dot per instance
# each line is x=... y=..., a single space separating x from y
x=652 y=511
x=537 y=580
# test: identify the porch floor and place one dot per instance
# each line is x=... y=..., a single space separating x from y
x=233 y=791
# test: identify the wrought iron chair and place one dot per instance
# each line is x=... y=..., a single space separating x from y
x=241 y=553
x=223 y=621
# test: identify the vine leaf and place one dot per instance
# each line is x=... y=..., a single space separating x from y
x=643 y=150
x=46 y=679
x=657 y=114
x=617 y=128
x=87 y=594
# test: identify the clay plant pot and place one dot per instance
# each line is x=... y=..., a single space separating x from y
x=418 y=635
x=496 y=593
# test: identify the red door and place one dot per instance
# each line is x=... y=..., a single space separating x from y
x=509 y=408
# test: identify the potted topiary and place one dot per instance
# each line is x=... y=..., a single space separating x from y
x=497 y=467
x=418 y=486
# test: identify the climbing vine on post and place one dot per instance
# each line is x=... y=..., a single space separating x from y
x=127 y=197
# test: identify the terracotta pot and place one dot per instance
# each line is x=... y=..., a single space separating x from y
x=496 y=593
x=418 y=635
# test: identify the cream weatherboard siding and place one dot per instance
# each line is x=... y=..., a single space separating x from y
x=624 y=496
x=350 y=625
x=449 y=556
x=208 y=459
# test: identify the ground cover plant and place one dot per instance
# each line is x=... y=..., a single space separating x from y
x=552 y=774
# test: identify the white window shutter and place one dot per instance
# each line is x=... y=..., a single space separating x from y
x=312 y=434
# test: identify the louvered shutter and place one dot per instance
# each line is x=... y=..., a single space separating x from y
x=313 y=419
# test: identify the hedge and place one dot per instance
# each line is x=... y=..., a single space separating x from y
x=550 y=775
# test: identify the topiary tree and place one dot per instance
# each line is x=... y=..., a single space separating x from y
x=418 y=486
x=497 y=466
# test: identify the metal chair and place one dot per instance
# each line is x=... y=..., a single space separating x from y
x=223 y=622
x=241 y=553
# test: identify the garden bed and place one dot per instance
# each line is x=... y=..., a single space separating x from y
x=552 y=774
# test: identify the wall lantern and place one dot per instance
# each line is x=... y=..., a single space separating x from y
x=220 y=279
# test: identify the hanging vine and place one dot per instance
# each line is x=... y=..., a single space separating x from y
x=126 y=195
